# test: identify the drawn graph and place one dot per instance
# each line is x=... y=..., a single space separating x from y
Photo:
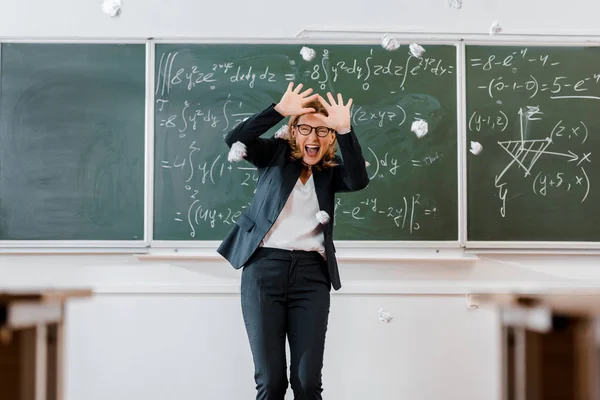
x=526 y=153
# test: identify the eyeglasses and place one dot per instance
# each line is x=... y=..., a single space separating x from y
x=306 y=130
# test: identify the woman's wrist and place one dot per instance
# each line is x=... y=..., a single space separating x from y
x=280 y=110
x=344 y=130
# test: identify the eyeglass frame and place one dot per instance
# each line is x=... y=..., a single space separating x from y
x=313 y=128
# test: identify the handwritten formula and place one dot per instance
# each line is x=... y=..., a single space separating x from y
x=530 y=109
x=198 y=101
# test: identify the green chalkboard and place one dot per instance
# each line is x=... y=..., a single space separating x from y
x=72 y=141
x=534 y=110
x=204 y=90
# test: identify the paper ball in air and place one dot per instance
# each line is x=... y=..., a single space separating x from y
x=416 y=50
x=495 y=28
x=112 y=8
x=307 y=53
x=323 y=217
x=476 y=148
x=385 y=316
x=283 y=132
x=237 y=152
x=456 y=4
x=419 y=128
x=389 y=43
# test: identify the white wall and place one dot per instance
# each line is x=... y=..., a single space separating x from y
x=271 y=18
x=173 y=330
x=195 y=347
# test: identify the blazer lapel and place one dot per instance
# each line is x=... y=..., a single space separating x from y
x=321 y=184
x=291 y=173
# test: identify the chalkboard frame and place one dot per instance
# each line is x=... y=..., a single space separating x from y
x=422 y=248
x=523 y=247
x=134 y=246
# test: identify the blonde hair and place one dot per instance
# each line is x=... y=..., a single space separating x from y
x=296 y=153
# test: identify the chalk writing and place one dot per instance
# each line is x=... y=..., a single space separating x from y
x=543 y=133
x=511 y=61
x=404 y=213
x=365 y=69
x=198 y=101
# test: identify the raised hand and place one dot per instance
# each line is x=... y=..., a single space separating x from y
x=292 y=102
x=339 y=114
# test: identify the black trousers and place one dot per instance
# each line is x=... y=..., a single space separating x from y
x=286 y=293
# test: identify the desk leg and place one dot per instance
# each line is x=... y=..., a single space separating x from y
x=514 y=364
x=55 y=362
x=508 y=363
x=586 y=363
x=23 y=369
x=34 y=351
x=521 y=370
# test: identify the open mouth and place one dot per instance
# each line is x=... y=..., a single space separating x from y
x=311 y=150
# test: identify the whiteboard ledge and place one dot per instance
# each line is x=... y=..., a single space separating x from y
x=344 y=253
x=68 y=247
x=339 y=244
x=532 y=247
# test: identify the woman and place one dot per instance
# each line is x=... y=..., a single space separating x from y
x=287 y=251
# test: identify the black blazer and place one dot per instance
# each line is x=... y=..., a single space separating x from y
x=277 y=176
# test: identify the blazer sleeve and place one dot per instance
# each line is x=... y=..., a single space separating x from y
x=351 y=175
x=259 y=151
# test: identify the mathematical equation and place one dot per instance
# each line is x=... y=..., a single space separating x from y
x=404 y=214
x=559 y=87
x=321 y=71
x=362 y=70
x=197 y=169
x=199 y=216
x=188 y=118
x=511 y=61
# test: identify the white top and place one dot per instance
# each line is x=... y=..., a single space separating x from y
x=297 y=227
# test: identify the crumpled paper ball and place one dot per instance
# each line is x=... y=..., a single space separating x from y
x=111 y=7
x=385 y=316
x=237 y=152
x=420 y=128
x=416 y=50
x=495 y=28
x=283 y=132
x=323 y=217
x=456 y=4
x=476 y=148
x=307 y=53
x=389 y=43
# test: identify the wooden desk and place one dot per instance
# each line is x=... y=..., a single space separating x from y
x=31 y=343
x=549 y=344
